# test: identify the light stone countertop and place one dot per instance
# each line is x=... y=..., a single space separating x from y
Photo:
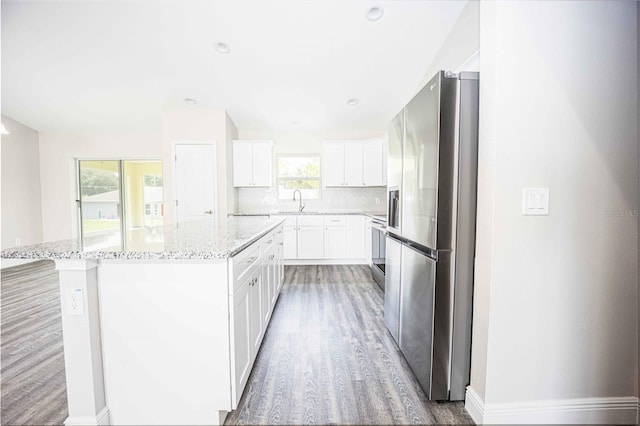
x=381 y=215
x=200 y=239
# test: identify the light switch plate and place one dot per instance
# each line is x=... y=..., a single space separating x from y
x=535 y=201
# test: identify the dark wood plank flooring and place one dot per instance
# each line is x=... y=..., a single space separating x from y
x=327 y=358
x=33 y=389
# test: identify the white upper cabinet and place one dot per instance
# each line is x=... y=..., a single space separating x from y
x=354 y=163
x=373 y=160
x=333 y=164
x=252 y=163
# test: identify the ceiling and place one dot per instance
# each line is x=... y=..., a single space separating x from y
x=292 y=65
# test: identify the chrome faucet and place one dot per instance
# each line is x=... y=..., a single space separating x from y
x=300 y=205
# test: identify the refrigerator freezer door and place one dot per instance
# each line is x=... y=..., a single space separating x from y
x=428 y=164
x=418 y=274
x=392 y=287
x=394 y=156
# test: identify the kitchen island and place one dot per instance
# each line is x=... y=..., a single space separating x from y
x=164 y=329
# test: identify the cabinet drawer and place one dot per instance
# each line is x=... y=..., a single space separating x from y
x=244 y=262
x=335 y=220
x=310 y=220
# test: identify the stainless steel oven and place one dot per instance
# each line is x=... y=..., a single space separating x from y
x=378 y=250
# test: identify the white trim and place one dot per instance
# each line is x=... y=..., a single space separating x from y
x=474 y=405
x=325 y=261
x=609 y=410
x=75 y=264
x=101 y=419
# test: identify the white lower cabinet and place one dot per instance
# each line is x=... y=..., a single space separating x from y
x=334 y=243
x=290 y=242
x=241 y=337
x=324 y=237
x=310 y=242
x=355 y=237
x=257 y=286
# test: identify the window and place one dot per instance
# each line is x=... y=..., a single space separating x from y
x=299 y=172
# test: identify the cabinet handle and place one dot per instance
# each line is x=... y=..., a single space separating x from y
x=269 y=242
x=252 y=259
x=281 y=244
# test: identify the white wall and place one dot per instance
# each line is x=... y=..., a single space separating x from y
x=21 y=208
x=332 y=199
x=556 y=297
x=462 y=43
x=58 y=152
x=232 y=193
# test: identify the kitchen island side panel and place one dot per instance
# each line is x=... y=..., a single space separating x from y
x=165 y=332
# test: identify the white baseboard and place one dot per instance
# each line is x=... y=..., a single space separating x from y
x=474 y=405
x=101 y=419
x=611 y=410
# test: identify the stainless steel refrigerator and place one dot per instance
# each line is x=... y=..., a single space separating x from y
x=432 y=175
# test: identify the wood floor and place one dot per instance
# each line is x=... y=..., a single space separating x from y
x=327 y=357
x=33 y=389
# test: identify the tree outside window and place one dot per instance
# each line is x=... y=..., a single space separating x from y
x=299 y=172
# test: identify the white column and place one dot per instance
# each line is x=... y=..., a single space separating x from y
x=82 y=343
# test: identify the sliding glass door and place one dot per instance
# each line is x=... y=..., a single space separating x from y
x=117 y=197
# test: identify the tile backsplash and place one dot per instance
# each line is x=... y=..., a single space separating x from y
x=265 y=200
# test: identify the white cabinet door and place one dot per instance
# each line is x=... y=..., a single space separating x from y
x=310 y=242
x=372 y=163
x=242 y=337
x=262 y=163
x=255 y=314
x=355 y=235
x=334 y=242
x=367 y=240
x=333 y=164
x=275 y=277
x=290 y=242
x=242 y=163
x=353 y=164
x=280 y=258
x=265 y=290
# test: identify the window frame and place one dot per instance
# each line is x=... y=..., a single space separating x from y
x=283 y=178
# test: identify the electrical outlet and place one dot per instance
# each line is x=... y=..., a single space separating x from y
x=75 y=301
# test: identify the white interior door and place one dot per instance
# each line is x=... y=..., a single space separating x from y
x=195 y=171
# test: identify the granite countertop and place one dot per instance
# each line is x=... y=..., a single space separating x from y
x=380 y=215
x=199 y=239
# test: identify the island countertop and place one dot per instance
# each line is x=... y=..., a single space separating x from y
x=198 y=239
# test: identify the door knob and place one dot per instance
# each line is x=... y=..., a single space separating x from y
x=209 y=212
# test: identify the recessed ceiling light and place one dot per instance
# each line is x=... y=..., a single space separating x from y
x=374 y=13
x=352 y=102
x=222 y=47
x=190 y=101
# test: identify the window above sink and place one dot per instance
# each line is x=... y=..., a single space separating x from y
x=298 y=171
